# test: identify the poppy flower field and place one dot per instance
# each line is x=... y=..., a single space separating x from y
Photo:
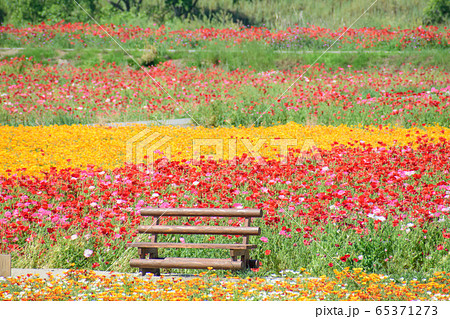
x=350 y=166
x=340 y=205
x=84 y=35
x=36 y=94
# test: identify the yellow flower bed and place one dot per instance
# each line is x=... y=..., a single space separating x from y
x=39 y=148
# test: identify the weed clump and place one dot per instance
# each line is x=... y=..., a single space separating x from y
x=149 y=56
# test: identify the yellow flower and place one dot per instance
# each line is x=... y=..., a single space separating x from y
x=39 y=148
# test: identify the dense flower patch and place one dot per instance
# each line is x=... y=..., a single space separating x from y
x=354 y=285
x=374 y=199
x=33 y=94
x=86 y=34
x=382 y=207
x=33 y=150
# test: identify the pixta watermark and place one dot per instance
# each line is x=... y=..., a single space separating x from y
x=145 y=146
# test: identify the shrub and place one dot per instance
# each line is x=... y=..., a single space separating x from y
x=149 y=56
x=437 y=11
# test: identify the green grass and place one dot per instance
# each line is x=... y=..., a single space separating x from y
x=44 y=56
x=258 y=55
x=263 y=59
x=83 y=57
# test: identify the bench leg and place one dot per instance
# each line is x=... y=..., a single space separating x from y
x=243 y=253
x=142 y=252
x=152 y=254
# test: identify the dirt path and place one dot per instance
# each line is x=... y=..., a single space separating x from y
x=7 y=52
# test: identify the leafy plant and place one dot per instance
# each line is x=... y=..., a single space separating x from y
x=437 y=11
x=36 y=11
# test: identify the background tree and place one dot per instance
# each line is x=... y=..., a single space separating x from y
x=181 y=8
x=3 y=14
x=437 y=11
x=36 y=11
x=126 y=5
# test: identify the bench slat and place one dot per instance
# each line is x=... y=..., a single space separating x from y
x=188 y=263
x=207 y=212
x=204 y=230
x=190 y=245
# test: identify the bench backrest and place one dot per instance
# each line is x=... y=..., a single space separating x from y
x=245 y=230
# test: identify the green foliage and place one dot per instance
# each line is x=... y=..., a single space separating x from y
x=280 y=14
x=109 y=16
x=126 y=5
x=181 y=8
x=24 y=10
x=36 y=11
x=58 y=10
x=257 y=55
x=437 y=12
x=223 y=13
x=43 y=55
x=3 y=13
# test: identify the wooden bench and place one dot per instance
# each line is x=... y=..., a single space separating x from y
x=239 y=252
